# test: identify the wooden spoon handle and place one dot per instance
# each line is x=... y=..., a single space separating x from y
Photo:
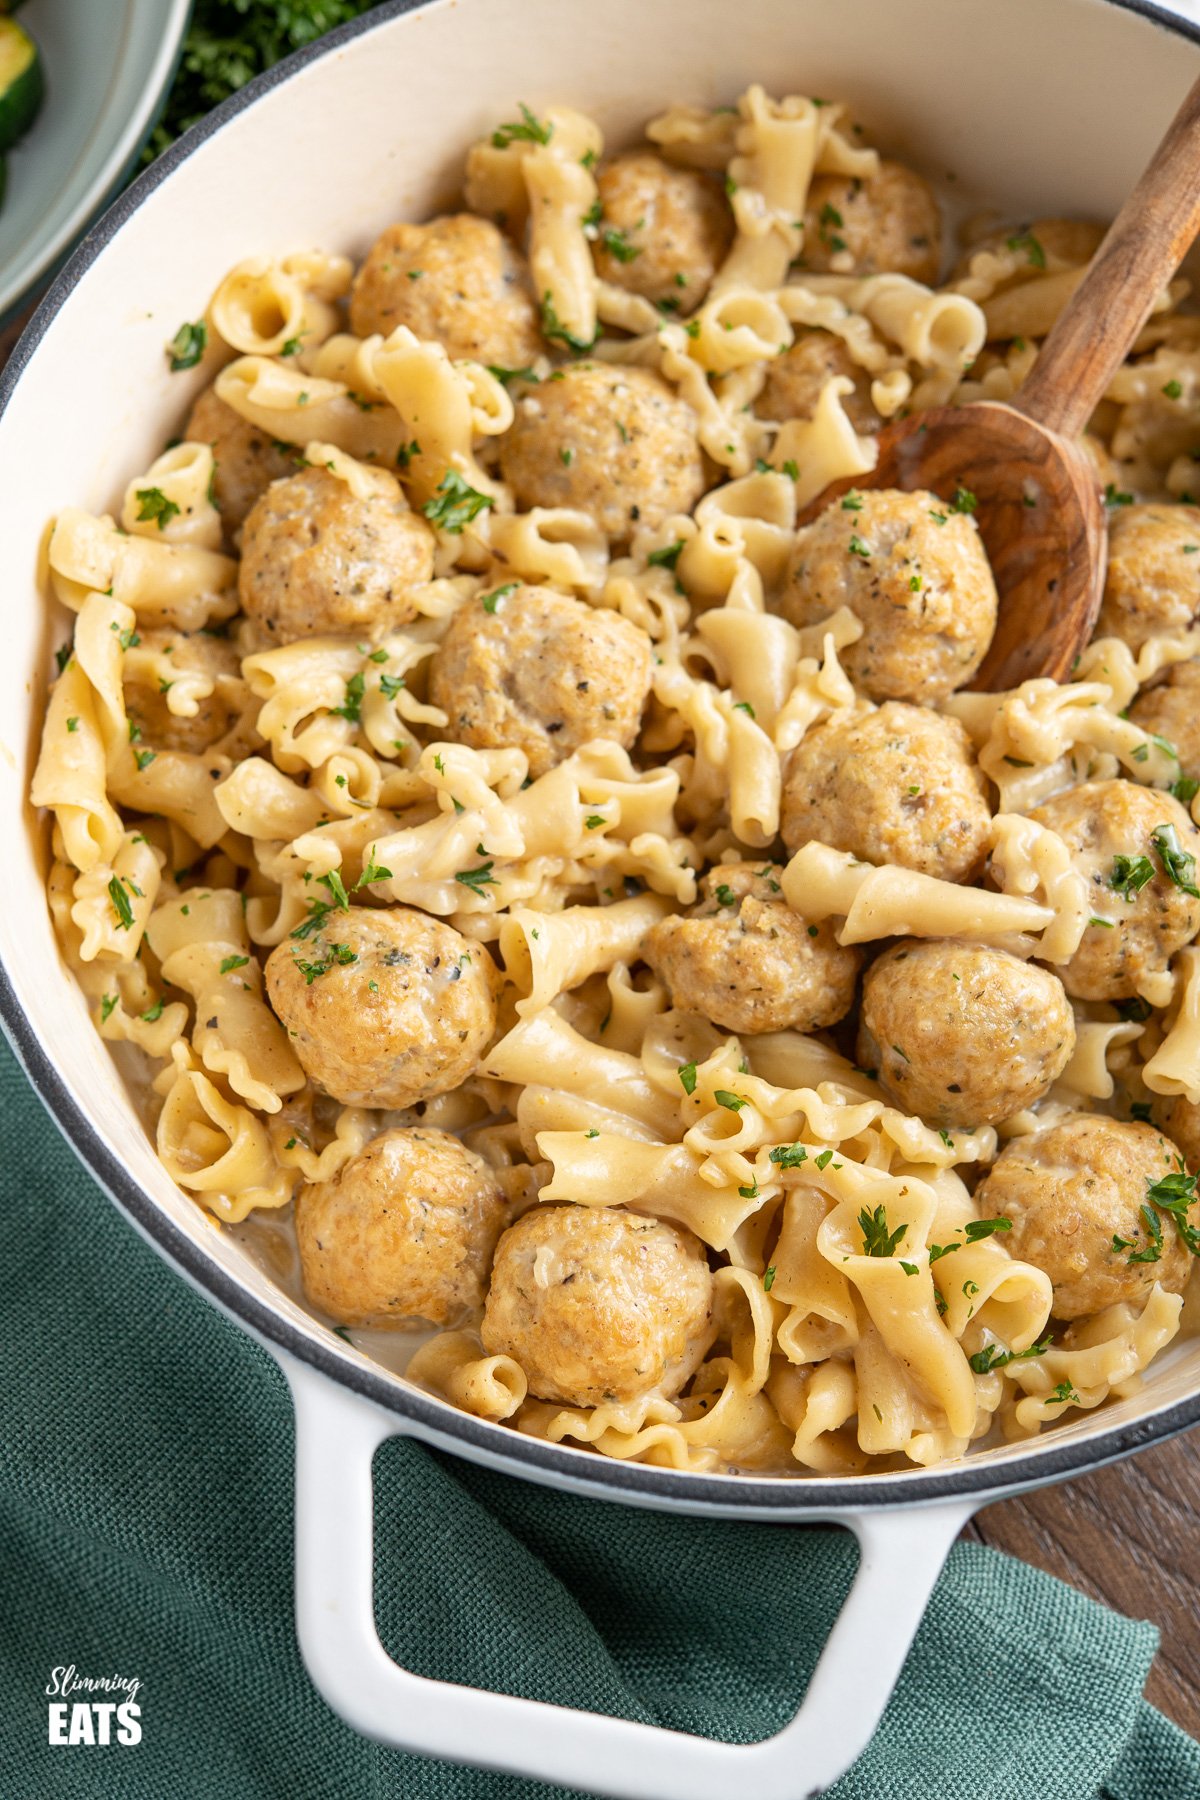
x=1145 y=245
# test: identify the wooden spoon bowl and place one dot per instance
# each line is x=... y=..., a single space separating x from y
x=1037 y=502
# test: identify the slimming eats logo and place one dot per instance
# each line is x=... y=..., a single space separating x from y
x=113 y=1717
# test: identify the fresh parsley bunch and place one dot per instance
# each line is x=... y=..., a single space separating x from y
x=229 y=41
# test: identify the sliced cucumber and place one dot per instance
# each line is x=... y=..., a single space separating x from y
x=22 y=83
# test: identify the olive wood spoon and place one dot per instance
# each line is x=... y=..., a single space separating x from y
x=1040 y=512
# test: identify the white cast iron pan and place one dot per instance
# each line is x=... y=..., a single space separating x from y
x=1042 y=106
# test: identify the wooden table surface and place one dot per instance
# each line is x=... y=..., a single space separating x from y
x=1123 y=1535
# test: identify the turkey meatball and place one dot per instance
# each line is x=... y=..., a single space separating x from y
x=890 y=222
x=246 y=460
x=1171 y=710
x=1126 y=840
x=796 y=377
x=1075 y=1195
x=404 y=1233
x=151 y=719
x=616 y=443
x=914 y=573
x=541 y=673
x=742 y=958
x=1152 y=588
x=664 y=231
x=384 y=1009
x=1181 y=1122
x=598 y=1304
x=962 y=1034
x=456 y=281
x=895 y=785
x=317 y=560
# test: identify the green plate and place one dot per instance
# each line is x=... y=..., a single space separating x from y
x=108 y=64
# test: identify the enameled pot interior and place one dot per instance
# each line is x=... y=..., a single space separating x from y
x=1012 y=103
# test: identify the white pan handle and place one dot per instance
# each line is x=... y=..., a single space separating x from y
x=337 y=1434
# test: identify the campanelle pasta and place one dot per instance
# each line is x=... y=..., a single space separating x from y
x=593 y=918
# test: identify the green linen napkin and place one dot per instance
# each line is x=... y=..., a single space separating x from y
x=146 y=1530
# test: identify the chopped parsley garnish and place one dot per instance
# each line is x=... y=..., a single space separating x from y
x=830 y=216
x=233 y=962
x=154 y=504
x=824 y=1159
x=290 y=347
x=1129 y=874
x=312 y=971
x=128 y=639
x=406 y=452
x=1151 y=1251
x=477 y=879
x=390 y=685
x=726 y=895
x=318 y=912
x=337 y=889
x=554 y=329
x=964 y=501
x=858 y=548
x=187 y=346
x=1179 y=865
x=743 y=706
x=749 y=1193
x=667 y=557
x=107 y=1002
x=491 y=601
x=769 y=1278
x=1114 y=496
x=459 y=504
x=372 y=871
x=1185 y=789
x=978 y=1229
x=120 y=902
x=788 y=1156
x=687 y=1077
x=1173 y=390
x=993 y=1356
x=1061 y=1395
x=1034 y=252
x=1175 y=1194
x=154 y=1013
x=73 y=725
x=594 y=821
x=527 y=130
x=504 y=376
x=618 y=245
x=62 y=656
x=351 y=707
x=143 y=758
x=852 y=502
x=877 y=1239
x=732 y=1102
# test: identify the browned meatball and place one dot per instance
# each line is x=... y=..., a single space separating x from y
x=246 y=459
x=795 y=380
x=1171 y=710
x=616 y=443
x=664 y=231
x=541 y=673
x=599 y=1304
x=742 y=958
x=457 y=281
x=896 y=785
x=1075 y=1195
x=317 y=560
x=914 y=573
x=890 y=222
x=384 y=1008
x=1152 y=588
x=404 y=1232
x=149 y=715
x=962 y=1034
x=1125 y=839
